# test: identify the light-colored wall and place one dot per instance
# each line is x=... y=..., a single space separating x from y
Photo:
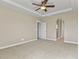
x=15 y=25
x=70 y=26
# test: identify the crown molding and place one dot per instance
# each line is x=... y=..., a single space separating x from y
x=57 y=12
x=20 y=6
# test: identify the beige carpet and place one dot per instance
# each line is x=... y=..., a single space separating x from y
x=40 y=49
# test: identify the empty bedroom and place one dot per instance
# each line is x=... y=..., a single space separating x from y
x=38 y=29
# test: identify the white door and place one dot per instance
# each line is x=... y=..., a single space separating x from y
x=41 y=30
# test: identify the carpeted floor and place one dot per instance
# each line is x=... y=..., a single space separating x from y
x=41 y=49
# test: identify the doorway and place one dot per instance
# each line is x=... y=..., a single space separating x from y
x=41 y=30
x=60 y=30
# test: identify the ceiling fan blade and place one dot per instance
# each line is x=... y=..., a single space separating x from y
x=37 y=9
x=36 y=4
x=44 y=2
x=50 y=6
x=45 y=10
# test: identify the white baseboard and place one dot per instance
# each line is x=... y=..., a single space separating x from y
x=15 y=44
x=19 y=43
x=71 y=42
x=64 y=41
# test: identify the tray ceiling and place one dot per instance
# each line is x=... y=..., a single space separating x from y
x=60 y=6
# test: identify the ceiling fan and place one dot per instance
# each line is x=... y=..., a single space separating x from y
x=43 y=6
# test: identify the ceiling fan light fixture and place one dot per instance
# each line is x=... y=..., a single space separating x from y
x=43 y=7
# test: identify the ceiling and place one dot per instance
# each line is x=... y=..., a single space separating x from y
x=26 y=5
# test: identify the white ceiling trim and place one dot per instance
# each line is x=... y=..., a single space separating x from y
x=36 y=13
x=20 y=6
x=57 y=12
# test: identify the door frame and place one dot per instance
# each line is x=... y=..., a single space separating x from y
x=41 y=22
